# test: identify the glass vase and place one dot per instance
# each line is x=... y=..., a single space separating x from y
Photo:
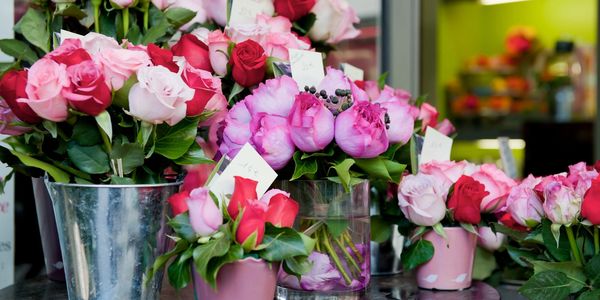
x=338 y=219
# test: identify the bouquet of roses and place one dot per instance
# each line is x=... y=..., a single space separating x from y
x=94 y=111
x=553 y=228
x=207 y=238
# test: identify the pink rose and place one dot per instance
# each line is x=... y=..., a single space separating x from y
x=360 y=130
x=428 y=115
x=45 y=84
x=218 y=43
x=159 y=96
x=69 y=53
x=88 y=92
x=123 y=3
x=217 y=11
x=205 y=216
x=447 y=171
x=206 y=88
x=497 y=184
x=7 y=120
x=275 y=97
x=422 y=199
x=119 y=64
x=562 y=205
x=195 y=6
x=523 y=203
x=271 y=138
x=581 y=178
x=311 y=123
x=446 y=127
x=560 y=177
x=489 y=240
x=95 y=43
x=334 y=23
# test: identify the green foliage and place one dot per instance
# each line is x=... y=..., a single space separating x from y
x=284 y=243
x=18 y=50
x=33 y=27
x=381 y=230
x=547 y=285
x=89 y=159
x=304 y=166
x=173 y=142
x=420 y=252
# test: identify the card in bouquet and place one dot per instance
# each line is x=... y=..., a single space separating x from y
x=436 y=146
x=307 y=67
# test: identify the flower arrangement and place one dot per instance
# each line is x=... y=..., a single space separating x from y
x=94 y=111
x=207 y=237
x=552 y=224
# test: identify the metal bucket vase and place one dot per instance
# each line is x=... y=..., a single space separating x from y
x=109 y=236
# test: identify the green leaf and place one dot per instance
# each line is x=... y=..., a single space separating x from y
x=395 y=169
x=70 y=10
x=104 y=121
x=343 y=171
x=374 y=167
x=336 y=226
x=414 y=156
x=518 y=254
x=179 y=16
x=560 y=252
x=297 y=265
x=85 y=133
x=194 y=156
x=144 y=133
x=89 y=159
x=204 y=253
x=235 y=91
x=545 y=286
x=56 y=173
x=555 y=229
x=121 y=180
x=121 y=96
x=306 y=167
x=513 y=234
x=304 y=24
x=131 y=154
x=439 y=229
x=592 y=271
x=33 y=27
x=484 y=264
x=173 y=142
x=576 y=277
x=160 y=261
x=18 y=50
x=327 y=153
x=283 y=243
x=381 y=80
x=156 y=31
x=381 y=230
x=51 y=127
x=470 y=228
x=420 y=100
x=179 y=274
x=590 y=295
x=417 y=254
x=234 y=254
x=182 y=227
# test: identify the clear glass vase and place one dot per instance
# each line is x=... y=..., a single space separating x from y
x=338 y=220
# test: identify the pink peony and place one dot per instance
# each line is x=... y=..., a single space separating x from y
x=275 y=97
x=236 y=131
x=205 y=216
x=523 y=203
x=447 y=172
x=271 y=138
x=311 y=123
x=333 y=80
x=422 y=199
x=334 y=23
x=46 y=83
x=401 y=114
x=497 y=184
x=218 y=43
x=360 y=130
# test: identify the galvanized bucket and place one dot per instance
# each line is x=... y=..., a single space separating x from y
x=109 y=236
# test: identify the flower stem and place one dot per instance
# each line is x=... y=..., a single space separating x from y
x=125 y=21
x=348 y=240
x=347 y=255
x=96 y=15
x=146 y=10
x=573 y=244
x=335 y=258
x=596 y=241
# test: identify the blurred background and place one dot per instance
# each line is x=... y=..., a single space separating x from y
x=525 y=70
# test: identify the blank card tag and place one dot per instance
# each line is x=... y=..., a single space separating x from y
x=64 y=34
x=245 y=11
x=249 y=164
x=435 y=147
x=307 y=67
x=353 y=72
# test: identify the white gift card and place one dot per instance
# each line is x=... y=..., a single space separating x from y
x=64 y=34
x=249 y=164
x=307 y=67
x=245 y=11
x=353 y=72
x=435 y=147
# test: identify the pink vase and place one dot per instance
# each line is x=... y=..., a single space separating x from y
x=248 y=279
x=452 y=264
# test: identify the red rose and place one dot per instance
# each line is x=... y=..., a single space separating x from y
x=205 y=85
x=251 y=230
x=293 y=9
x=12 y=87
x=282 y=210
x=194 y=51
x=508 y=221
x=466 y=200
x=178 y=202
x=244 y=191
x=162 y=57
x=590 y=209
x=70 y=53
x=88 y=92
x=249 y=60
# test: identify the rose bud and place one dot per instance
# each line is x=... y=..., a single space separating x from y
x=123 y=3
x=178 y=202
x=334 y=21
x=194 y=51
x=205 y=216
x=446 y=127
x=428 y=115
x=45 y=84
x=293 y=9
x=162 y=4
x=466 y=200
x=244 y=191
x=69 y=53
x=489 y=240
x=360 y=130
x=281 y=209
x=218 y=44
x=251 y=230
x=421 y=199
x=162 y=57
x=311 y=124
x=524 y=204
x=206 y=87
x=271 y=138
x=12 y=87
x=590 y=209
x=497 y=184
x=159 y=96
x=88 y=92
x=562 y=204
x=249 y=63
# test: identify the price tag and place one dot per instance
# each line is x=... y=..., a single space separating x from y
x=435 y=147
x=245 y=11
x=508 y=159
x=249 y=164
x=353 y=72
x=307 y=67
x=7 y=231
